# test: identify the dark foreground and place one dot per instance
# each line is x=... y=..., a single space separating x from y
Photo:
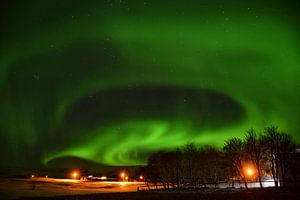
x=252 y=194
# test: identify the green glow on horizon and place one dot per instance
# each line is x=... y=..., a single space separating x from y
x=248 y=56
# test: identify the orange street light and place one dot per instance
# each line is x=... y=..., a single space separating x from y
x=141 y=177
x=126 y=178
x=249 y=171
x=75 y=174
x=122 y=174
x=32 y=176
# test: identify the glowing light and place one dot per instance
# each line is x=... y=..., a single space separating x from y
x=141 y=177
x=46 y=176
x=32 y=176
x=122 y=175
x=75 y=174
x=126 y=178
x=90 y=176
x=103 y=177
x=249 y=171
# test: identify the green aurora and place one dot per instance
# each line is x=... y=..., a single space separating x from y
x=112 y=81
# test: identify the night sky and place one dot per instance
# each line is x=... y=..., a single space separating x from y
x=113 y=81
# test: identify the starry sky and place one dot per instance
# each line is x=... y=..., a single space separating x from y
x=112 y=81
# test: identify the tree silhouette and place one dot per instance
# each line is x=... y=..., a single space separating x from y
x=255 y=149
x=213 y=164
x=235 y=152
x=165 y=167
x=280 y=145
x=197 y=166
x=191 y=160
x=271 y=138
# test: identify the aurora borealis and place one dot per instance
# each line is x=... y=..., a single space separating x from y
x=112 y=81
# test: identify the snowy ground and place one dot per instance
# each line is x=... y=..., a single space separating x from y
x=265 y=183
x=43 y=187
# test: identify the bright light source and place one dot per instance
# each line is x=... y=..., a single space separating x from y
x=249 y=171
x=126 y=178
x=141 y=177
x=103 y=177
x=90 y=176
x=46 y=176
x=32 y=176
x=75 y=174
x=123 y=175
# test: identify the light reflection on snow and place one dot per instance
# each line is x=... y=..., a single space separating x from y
x=41 y=186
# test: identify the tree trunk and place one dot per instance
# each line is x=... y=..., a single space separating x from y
x=164 y=185
x=177 y=178
x=259 y=179
x=274 y=172
x=282 y=172
x=240 y=170
x=259 y=174
x=245 y=182
x=277 y=170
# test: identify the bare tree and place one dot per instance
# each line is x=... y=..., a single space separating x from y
x=286 y=146
x=255 y=149
x=165 y=167
x=195 y=165
x=212 y=164
x=271 y=138
x=177 y=163
x=279 y=146
x=235 y=152
x=155 y=169
x=191 y=157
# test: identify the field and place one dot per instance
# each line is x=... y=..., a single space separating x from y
x=252 y=194
x=48 y=188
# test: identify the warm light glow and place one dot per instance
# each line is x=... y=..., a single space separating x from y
x=103 y=177
x=123 y=183
x=46 y=176
x=75 y=174
x=126 y=178
x=123 y=175
x=141 y=177
x=249 y=171
x=32 y=176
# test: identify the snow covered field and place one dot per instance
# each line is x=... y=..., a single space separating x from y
x=42 y=187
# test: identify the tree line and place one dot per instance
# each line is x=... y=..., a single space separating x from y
x=269 y=152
